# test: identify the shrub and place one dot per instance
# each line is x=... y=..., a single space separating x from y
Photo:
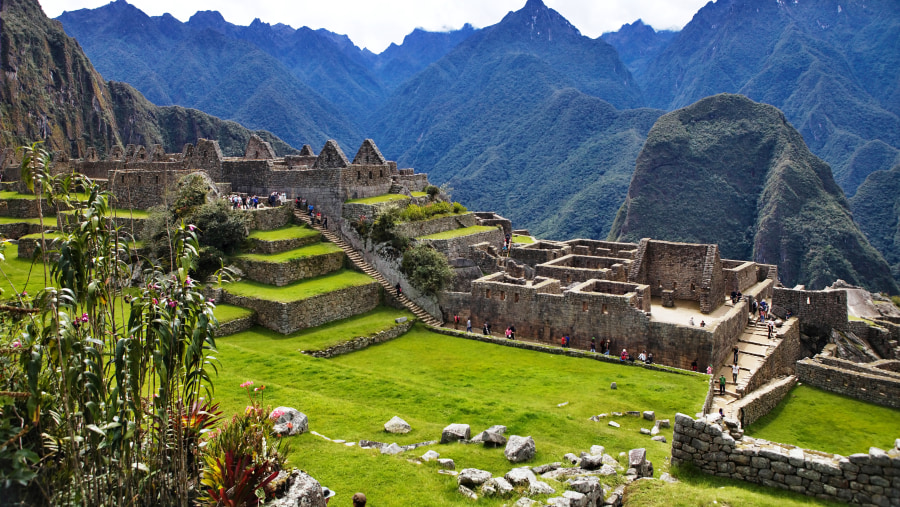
x=459 y=208
x=426 y=268
x=432 y=192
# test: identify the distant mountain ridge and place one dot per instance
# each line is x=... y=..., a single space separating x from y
x=734 y=172
x=49 y=91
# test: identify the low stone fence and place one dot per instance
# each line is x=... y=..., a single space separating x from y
x=875 y=386
x=236 y=325
x=258 y=246
x=23 y=208
x=459 y=246
x=435 y=225
x=266 y=219
x=17 y=230
x=284 y=273
x=361 y=342
x=763 y=400
x=289 y=317
x=870 y=479
x=779 y=362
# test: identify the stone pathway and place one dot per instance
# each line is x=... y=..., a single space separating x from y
x=754 y=346
x=367 y=268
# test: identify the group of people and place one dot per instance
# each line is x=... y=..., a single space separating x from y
x=643 y=357
x=702 y=322
x=506 y=241
x=243 y=201
x=736 y=296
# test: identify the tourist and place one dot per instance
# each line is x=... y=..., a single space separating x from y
x=740 y=296
x=735 y=350
x=593 y=344
x=469 y=325
x=608 y=347
x=507 y=332
x=325 y=223
x=691 y=321
x=721 y=383
x=319 y=217
x=721 y=414
x=771 y=325
x=624 y=355
x=310 y=210
x=642 y=357
x=512 y=332
x=399 y=289
x=650 y=358
x=734 y=372
x=562 y=341
x=788 y=315
x=709 y=370
x=702 y=323
x=694 y=365
x=456 y=321
x=733 y=297
x=359 y=500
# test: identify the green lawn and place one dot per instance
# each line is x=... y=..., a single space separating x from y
x=19 y=275
x=227 y=313
x=10 y=194
x=432 y=380
x=48 y=220
x=286 y=232
x=137 y=214
x=419 y=194
x=527 y=240
x=815 y=419
x=48 y=236
x=456 y=233
x=300 y=290
x=297 y=253
x=381 y=198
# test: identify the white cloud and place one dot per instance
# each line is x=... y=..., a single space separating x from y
x=375 y=24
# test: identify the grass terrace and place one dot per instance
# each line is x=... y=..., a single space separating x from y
x=432 y=380
x=378 y=199
x=284 y=233
x=48 y=220
x=815 y=419
x=11 y=194
x=227 y=313
x=297 y=253
x=303 y=289
x=457 y=233
x=525 y=240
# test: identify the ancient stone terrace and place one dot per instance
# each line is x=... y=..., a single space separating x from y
x=581 y=268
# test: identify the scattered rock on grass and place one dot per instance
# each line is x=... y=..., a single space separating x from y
x=526 y=502
x=301 y=490
x=466 y=492
x=430 y=456
x=645 y=431
x=614 y=424
x=540 y=488
x=520 y=476
x=397 y=425
x=613 y=386
x=447 y=463
x=598 y=450
x=497 y=486
x=455 y=433
x=391 y=449
x=663 y=423
x=472 y=477
x=290 y=421
x=542 y=469
x=659 y=438
x=519 y=449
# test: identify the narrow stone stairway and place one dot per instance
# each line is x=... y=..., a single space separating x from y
x=753 y=346
x=367 y=268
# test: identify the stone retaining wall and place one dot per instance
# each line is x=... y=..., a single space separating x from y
x=284 y=273
x=266 y=219
x=869 y=479
x=762 y=400
x=235 y=326
x=435 y=225
x=287 y=318
x=819 y=311
x=874 y=387
x=459 y=246
x=23 y=208
x=16 y=231
x=361 y=342
x=258 y=246
x=779 y=362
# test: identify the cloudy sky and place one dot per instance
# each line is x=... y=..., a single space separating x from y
x=375 y=24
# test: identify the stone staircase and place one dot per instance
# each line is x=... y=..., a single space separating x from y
x=367 y=268
x=754 y=346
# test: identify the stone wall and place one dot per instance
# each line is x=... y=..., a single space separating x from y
x=871 y=479
x=282 y=245
x=539 y=252
x=875 y=386
x=17 y=230
x=413 y=182
x=762 y=400
x=365 y=180
x=284 y=273
x=267 y=219
x=235 y=326
x=435 y=225
x=144 y=185
x=604 y=248
x=492 y=219
x=740 y=275
x=23 y=208
x=459 y=246
x=819 y=311
x=361 y=342
x=692 y=271
x=287 y=318
x=779 y=362
x=581 y=268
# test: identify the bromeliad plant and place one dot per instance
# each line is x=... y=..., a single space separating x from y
x=107 y=380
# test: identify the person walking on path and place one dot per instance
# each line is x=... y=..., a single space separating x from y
x=735 y=355
x=469 y=325
x=487 y=328
x=593 y=344
x=512 y=331
x=650 y=358
x=398 y=289
x=694 y=365
x=734 y=372
x=709 y=370
x=456 y=321
x=721 y=384
x=325 y=222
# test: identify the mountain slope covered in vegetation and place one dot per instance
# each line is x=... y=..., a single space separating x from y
x=876 y=208
x=731 y=171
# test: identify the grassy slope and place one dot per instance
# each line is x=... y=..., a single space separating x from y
x=379 y=199
x=302 y=289
x=456 y=233
x=286 y=232
x=297 y=253
x=809 y=417
x=226 y=313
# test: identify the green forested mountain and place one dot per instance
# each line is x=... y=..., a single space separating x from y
x=876 y=208
x=419 y=49
x=50 y=91
x=832 y=66
x=638 y=44
x=173 y=63
x=731 y=171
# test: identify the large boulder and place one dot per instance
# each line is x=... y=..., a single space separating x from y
x=455 y=433
x=592 y=461
x=520 y=476
x=591 y=488
x=519 y=449
x=397 y=425
x=302 y=491
x=473 y=477
x=289 y=421
x=637 y=460
x=540 y=488
x=497 y=486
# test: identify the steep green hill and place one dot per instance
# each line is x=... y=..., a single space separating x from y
x=876 y=208
x=638 y=44
x=50 y=91
x=832 y=66
x=419 y=49
x=202 y=67
x=731 y=171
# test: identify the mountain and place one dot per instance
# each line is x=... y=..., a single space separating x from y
x=50 y=91
x=876 y=208
x=510 y=105
x=419 y=49
x=832 y=66
x=734 y=172
x=201 y=67
x=638 y=44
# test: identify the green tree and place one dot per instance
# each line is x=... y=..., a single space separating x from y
x=426 y=268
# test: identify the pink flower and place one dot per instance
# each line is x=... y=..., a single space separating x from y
x=172 y=304
x=211 y=300
x=16 y=344
x=155 y=301
x=189 y=282
x=84 y=317
x=247 y=383
x=276 y=414
x=192 y=228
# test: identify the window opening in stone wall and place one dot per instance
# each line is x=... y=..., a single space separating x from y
x=604 y=309
x=674 y=285
x=358 y=175
x=568 y=278
x=502 y=296
x=516 y=299
x=139 y=180
x=487 y=294
x=123 y=178
x=157 y=180
x=381 y=174
x=370 y=175
x=807 y=301
x=693 y=288
x=584 y=306
x=659 y=283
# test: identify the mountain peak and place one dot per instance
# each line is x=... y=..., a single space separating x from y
x=535 y=5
